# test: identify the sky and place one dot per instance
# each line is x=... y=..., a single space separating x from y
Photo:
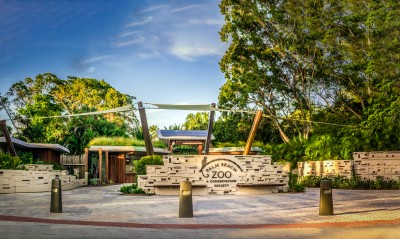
x=158 y=51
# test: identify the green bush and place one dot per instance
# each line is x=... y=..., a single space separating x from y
x=9 y=162
x=294 y=185
x=340 y=182
x=26 y=157
x=131 y=189
x=94 y=181
x=140 y=165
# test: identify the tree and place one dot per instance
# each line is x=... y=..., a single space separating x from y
x=31 y=103
x=271 y=62
x=301 y=60
x=235 y=127
x=198 y=121
x=174 y=127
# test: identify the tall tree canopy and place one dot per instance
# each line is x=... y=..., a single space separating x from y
x=30 y=101
x=335 y=61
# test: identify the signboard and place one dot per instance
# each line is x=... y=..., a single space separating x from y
x=215 y=174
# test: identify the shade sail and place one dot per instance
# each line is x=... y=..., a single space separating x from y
x=183 y=107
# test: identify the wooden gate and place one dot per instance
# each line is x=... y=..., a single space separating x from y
x=116 y=168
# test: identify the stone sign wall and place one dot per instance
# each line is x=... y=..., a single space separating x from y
x=37 y=178
x=215 y=174
x=366 y=165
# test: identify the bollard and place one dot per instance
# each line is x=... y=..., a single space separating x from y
x=326 y=202
x=185 y=200
x=56 y=203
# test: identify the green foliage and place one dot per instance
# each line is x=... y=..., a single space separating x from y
x=131 y=189
x=30 y=100
x=116 y=141
x=328 y=61
x=159 y=144
x=294 y=184
x=140 y=165
x=26 y=157
x=198 y=121
x=94 y=181
x=292 y=152
x=175 y=127
x=339 y=182
x=57 y=166
x=9 y=162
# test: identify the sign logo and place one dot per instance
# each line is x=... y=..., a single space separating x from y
x=217 y=168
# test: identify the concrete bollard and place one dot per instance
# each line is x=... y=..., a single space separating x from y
x=326 y=201
x=56 y=202
x=185 y=200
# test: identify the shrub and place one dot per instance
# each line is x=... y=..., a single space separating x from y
x=26 y=157
x=140 y=165
x=94 y=181
x=294 y=185
x=340 y=182
x=9 y=162
x=131 y=189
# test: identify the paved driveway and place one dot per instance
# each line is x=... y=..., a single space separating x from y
x=92 y=210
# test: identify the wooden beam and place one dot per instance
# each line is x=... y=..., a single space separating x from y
x=10 y=144
x=253 y=131
x=145 y=129
x=107 y=178
x=86 y=160
x=210 y=128
x=100 y=166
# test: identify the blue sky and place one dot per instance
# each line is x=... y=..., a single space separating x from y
x=158 y=51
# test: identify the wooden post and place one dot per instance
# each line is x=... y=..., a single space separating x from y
x=107 y=179
x=199 y=149
x=145 y=129
x=100 y=166
x=210 y=128
x=10 y=144
x=86 y=160
x=253 y=131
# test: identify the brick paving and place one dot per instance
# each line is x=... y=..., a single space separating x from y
x=106 y=207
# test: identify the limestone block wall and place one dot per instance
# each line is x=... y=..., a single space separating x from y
x=370 y=165
x=218 y=174
x=326 y=168
x=366 y=165
x=37 y=178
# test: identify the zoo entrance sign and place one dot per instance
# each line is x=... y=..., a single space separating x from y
x=215 y=174
x=221 y=172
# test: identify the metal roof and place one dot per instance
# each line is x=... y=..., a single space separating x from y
x=183 y=134
x=232 y=149
x=23 y=144
x=125 y=149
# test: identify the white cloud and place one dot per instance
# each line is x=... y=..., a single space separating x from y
x=191 y=44
x=181 y=9
x=155 y=8
x=131 y=42
x=94 y=59
x=139 y=23
x=91 y=70
x=209 y=21
x=125 y=34
x=147 y=55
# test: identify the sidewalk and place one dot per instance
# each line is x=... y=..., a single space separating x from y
x=90 y=212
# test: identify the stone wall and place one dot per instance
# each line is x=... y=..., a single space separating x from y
x=366 y=165
x=37 y=178
x=326 y=168
x=215 y=174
